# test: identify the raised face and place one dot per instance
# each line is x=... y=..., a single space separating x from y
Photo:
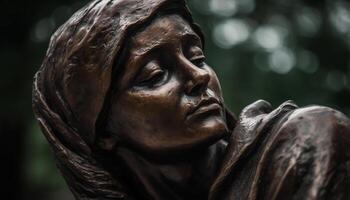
x=166 y=98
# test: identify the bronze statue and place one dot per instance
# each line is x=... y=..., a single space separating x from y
x=132 y=111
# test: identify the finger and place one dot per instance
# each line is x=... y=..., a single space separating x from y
x=257 y=108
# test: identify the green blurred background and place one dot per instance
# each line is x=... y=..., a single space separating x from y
x=261 y=49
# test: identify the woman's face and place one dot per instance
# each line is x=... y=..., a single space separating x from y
x=167 y=99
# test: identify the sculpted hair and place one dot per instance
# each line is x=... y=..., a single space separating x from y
x=71 y=86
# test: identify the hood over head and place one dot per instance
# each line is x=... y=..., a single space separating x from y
x=72 y=85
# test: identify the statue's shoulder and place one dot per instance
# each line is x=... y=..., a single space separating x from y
x=320 y=117
x=317 y=126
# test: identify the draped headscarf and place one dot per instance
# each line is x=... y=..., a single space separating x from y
x=71 y=86
x=70 y=99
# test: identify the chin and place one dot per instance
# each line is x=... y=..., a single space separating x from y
x=199 y=136
x=211 y=130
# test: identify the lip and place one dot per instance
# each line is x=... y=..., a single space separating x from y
x=205 y=107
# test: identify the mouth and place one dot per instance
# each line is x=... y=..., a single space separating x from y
x=205 y=107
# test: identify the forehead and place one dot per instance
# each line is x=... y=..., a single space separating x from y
x=162 y=30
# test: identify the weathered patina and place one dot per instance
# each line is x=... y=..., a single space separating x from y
x=132 y=111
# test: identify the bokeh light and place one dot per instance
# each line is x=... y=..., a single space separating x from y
x=273 y=50
x=269 y=37
x=43 y=30
x=308 y=21
x=223 y=7
x=231 y=32
x=282 y=60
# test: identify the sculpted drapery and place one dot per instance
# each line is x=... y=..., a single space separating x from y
x=282 y=153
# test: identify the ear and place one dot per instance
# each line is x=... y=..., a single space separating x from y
x=107 y=141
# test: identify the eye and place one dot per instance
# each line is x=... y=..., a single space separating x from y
x=199 y=61
x=154 y=79
x=196 y=56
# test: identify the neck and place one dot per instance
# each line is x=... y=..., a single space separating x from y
x=174 y=179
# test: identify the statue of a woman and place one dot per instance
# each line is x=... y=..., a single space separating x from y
x=132 y=111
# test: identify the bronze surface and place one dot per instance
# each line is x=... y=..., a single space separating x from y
x=132 y=111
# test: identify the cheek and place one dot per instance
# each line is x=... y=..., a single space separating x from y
x=142 y=108
x=147 y=119
x=214 y=83
x=162 y=100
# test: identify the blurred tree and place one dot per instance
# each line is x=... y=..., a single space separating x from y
x=24 y=34
x=271 y=49
x=278 y=50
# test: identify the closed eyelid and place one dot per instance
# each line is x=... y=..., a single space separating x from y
x=144 y=60
x=148 y=69
x=191 y=40
x=151 y=65
x=195 y=52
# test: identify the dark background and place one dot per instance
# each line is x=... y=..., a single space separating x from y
x=261 y=49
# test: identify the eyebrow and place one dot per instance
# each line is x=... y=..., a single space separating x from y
x=186 y=39
x=190 y=38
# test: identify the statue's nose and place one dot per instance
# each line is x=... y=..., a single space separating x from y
x=198 y=79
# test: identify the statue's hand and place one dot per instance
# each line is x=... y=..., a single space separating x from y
x=252 y=123
x=254 y=118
